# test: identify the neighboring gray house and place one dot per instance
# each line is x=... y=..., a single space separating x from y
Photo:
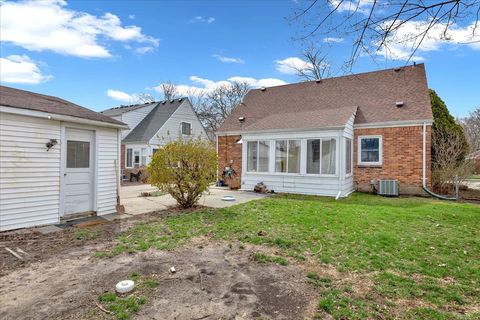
x=153 y=124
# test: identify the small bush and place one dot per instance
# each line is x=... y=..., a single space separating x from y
x=184 y=169
x=263 y=258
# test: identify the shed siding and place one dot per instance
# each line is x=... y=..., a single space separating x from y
x=171 y=129
x=29 y=175
x=133 y=118
x=108 y=152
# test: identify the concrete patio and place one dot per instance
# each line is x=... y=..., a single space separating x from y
x=136 y=204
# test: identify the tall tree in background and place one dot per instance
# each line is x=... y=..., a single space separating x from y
x=212 y=106
x=396 y=28
x=217 y=104
x=471 y=126
x=315 y=66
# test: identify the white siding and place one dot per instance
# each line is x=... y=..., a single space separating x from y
x=133 y=118
x=171 y=129
x=108 y=152
x=347 y=181
x=29 y=175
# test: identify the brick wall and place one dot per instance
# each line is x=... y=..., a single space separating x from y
x=402 y=159
x=230 y=155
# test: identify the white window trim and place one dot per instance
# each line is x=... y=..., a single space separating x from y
x=380 y=151
x=126 y=157
x=288 y=148
x=348 y=175
x=258 y=155
x=191 y=128
x=303 y=157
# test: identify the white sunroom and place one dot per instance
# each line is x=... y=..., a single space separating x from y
x=306 y=162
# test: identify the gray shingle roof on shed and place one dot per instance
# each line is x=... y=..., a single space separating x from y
x=150 y=125
x=16 y=98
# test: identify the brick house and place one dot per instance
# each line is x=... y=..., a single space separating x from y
x=334 y=136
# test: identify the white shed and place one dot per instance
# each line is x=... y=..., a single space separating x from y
x=56 y=159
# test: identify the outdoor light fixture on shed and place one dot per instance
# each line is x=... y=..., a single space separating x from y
x=241 y=119
x=51 y=143
x=399 y=104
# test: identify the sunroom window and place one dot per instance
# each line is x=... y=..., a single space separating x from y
x=370 y=150
x=287 y=156
x=348 y=156
x=258 y=156
x=321 y=156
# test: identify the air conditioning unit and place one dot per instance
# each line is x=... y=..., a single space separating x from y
x=388 y=188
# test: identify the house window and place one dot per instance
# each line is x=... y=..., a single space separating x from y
x=136 y=158
x=321 y=156
x=154 y=151
x=348 y=156
x=186 y=128
x=287 y=156
x=129 y=158
x=144 y=157
x=257 y=156
x=313 y=156
x=78 y=154
x=370 y=150
x=252 y=156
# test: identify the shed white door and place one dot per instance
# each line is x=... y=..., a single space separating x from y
x=79 y=171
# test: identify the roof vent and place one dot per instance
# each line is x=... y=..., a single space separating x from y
x=263 y=88
x=180 y=100
x=397 y=69
x=318 y=80
x=399 y=104
x=172 y=101
x=164 y=101
x=241 y=119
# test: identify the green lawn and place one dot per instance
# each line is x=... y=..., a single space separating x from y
x=421 y=257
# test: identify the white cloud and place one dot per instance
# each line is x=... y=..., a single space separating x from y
x=401 y=44
x=202 y=19
x=120 y=96
x=333 y=40
x=203 y=86
x=144 y=50
x=21 y=69
x=49 y=25
x=291 y=65
x=131 y=16
x=361 y=6
x=228 y=59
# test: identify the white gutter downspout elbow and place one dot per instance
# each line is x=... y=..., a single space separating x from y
x=424 y=168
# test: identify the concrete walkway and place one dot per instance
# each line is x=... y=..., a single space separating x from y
x=135 y=204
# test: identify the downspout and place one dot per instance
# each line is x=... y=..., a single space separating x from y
x=424 y=166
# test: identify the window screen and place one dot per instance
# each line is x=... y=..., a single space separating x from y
x=186 y=128
x=252 y=156
x=129 y=158
x=313 y=156
x=78 y=154
x=370 y=150
x=348 y=156
x=329 y=156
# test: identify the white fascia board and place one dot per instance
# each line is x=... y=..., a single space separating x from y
x=393 y=124
x=231 y=133
x=59 y=117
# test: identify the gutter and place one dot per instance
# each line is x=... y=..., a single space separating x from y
x=424 y=165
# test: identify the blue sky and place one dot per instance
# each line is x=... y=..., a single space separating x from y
x=100 y=54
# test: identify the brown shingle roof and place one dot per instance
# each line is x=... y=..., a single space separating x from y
x=16 y=98
x=326 y=103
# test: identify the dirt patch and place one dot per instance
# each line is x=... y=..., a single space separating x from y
x=214 y=281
